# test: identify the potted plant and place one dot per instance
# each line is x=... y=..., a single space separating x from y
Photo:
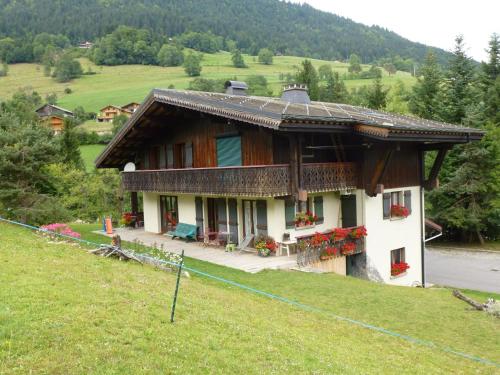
x=305 y=219
x=399 y=211
x=358 y=232
x=328 y=253
x=265 y=245
x=348 y=248
x=339 y=234
x=127 y=220
x=399 y=268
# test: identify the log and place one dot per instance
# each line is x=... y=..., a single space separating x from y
x=470 y=301
x=110 y=250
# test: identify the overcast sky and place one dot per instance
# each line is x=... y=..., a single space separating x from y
x=432 y=22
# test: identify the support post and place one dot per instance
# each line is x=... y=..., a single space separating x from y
x=431 y=182
x=134 y=203
x=177 y=287
x=379 y=172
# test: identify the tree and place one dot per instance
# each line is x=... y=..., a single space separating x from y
x=457 y=85
x=423 y=101
x=26 y=148
x=237 y=59
x=69 y=145
x=354 y=64
x=257 y=85
x=490 y=80
x=266 y=56
x=325 y=72
x=377 y=95
x=118 y=123
x=66 y=69
x=4 y=70
x=170 y=55
x=335 y=90
x=307 y=75
x=51 y=98
x=192 y=65
x=397 y=99
x=390 y=68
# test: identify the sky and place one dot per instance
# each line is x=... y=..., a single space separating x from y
x=432 y=22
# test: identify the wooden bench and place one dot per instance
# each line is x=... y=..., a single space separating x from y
x=185 y=231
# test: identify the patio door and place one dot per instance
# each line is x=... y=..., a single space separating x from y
x=249 y=218
x=212 y=217
x=169 y=212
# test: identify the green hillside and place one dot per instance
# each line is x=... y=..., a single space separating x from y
x=75 y=313
x=122 y=84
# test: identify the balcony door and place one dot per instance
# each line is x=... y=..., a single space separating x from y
x=348 y=207
x=249 y=218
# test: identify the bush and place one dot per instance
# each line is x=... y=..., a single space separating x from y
x=266 y=56
x=237 y=59
x=192 y=64
x=170 y=55
x=66 y=69
x=68 y=90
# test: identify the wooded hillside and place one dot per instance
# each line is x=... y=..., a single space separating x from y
x=289 y=29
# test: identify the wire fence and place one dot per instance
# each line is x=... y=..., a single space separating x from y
x=302 y=306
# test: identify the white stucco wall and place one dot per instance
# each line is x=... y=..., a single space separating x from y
x=152 y=221
x=187 y=209
x=390 y=234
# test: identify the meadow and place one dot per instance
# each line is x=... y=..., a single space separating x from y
x=64 y=311
x=125 y=83
x=89 y=153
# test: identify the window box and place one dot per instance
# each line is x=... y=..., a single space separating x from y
x=396 y=205
x=398 y=263
x=399 y=275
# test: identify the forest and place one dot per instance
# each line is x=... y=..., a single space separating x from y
x=285 y=28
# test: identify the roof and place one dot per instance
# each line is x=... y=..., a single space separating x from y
x=50 y=109
x=112 y=106
x=277 y=114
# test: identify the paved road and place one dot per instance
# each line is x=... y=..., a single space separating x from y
x=461 y=269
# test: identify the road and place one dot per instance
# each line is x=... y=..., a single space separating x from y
x=463 y=269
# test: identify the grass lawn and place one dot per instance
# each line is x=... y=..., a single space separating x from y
x=122 y=84
x=98 y=127
x=64 y=311
x=89 y=154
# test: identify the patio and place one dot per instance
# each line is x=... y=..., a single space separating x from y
x=241 y=260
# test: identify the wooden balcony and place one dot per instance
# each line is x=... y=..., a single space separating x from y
x=253 y=181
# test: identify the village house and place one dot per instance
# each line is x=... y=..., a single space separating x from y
x=108 y=113
x=244 y=166
x=54 y=116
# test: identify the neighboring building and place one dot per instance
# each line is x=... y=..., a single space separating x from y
x=85 y=45
x=248 y=165
x=54 y=116
x=108 y=113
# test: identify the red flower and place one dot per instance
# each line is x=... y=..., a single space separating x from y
x=400 y=211
x=398 y=268
x=359 y=232
x=339 y=234
x=348 y=248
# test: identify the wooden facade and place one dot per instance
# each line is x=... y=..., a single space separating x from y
x=108 y=113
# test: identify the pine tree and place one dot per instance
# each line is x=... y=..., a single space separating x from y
x=307 y=75
x=237 y=59
x=423 y=101
x=334 y=90
x=490 y=80
x=69 y=146
x=457 y=85
x=377 y=95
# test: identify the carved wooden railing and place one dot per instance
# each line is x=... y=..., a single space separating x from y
x=318 y=177
x=260 y=181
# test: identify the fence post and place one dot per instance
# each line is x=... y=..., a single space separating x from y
x=177 y=286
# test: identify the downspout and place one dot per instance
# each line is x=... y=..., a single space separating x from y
x=422 y=232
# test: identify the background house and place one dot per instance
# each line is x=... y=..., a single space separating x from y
x=54 y=116
x=249 y=166
x=108 y=113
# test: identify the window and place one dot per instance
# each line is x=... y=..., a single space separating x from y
x=399 y=199
x=229 y=151
x=398 y=256
x=398 y=262
x=314 y=205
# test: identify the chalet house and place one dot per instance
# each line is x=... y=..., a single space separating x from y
x=246 y=165
x=108 y=113
x=54 y=116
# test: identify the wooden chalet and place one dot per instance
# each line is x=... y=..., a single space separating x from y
x=246 y=165
x=108 y=113
x=54 y=116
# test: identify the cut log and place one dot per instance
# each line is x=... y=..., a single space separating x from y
x=470 y=301
x=110 y=250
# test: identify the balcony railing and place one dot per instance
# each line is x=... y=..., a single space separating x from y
x=259 y=181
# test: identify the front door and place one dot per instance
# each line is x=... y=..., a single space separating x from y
x=249 y=218
x=348 y=207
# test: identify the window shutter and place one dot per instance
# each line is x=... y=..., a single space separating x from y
x=188 y=150
x=318 y=208
x=386 y=204
x=198 y=203
x=163 y=160
x=170 y=156
x=262 y=217
x=146 y=160
x=290 y=213
x=221 y=214
x=232 y=206
x=228 y=151
x=408 y=200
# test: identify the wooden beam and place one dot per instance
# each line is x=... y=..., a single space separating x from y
x=435 y=146
x=294 y=165
x=336 y=148
x=431 y=181
x=379 y=172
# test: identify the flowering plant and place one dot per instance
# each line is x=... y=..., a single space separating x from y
x=318 y=239
x=399 y=268
x=399 y=211
x=339 y=234
x=303 y=219
x=358 y=232
x=329 y=253
x=265 y=245
x=348 y=248
x=127 y=219
x=59 y=228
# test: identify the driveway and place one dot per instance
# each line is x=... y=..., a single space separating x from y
x=463 y=269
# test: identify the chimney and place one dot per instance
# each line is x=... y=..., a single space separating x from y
x=236 y=87
x=295 y=93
